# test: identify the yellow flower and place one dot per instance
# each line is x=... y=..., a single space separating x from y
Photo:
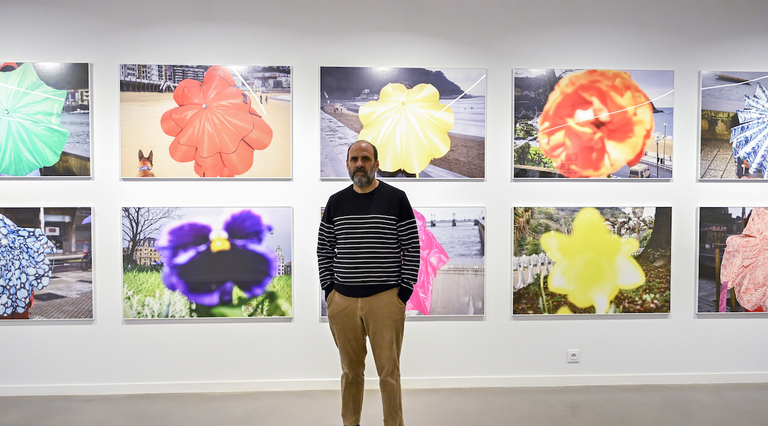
x=591 y=264
x=408 y=126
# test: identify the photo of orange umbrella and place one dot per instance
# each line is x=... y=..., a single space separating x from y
x=215 y=125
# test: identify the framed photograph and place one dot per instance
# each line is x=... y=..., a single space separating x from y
x=595 y=124
x=452 y=273
x=46 y=263
x=425 y=123
x=206 y=262
x=586 y=260
x=734 y=133
x=732 y=259
x=190 y=121
x=45 y=125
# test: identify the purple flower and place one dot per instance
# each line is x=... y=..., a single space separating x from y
x=205 y=264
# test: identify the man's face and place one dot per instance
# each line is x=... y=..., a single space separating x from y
x=361 y=165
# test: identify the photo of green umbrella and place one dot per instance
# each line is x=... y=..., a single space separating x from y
x=31 y=135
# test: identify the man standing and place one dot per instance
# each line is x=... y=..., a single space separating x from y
x=368 y=255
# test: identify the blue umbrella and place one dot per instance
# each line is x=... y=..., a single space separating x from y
x=23 y=265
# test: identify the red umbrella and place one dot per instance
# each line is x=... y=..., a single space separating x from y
x=215 y=126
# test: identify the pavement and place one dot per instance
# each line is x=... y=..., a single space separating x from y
x=717 y=160
x=69 y=295
x=335 y=138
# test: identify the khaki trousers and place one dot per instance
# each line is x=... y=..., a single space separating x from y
x=381 y=317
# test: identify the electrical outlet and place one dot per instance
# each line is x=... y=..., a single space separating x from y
x=572 y=356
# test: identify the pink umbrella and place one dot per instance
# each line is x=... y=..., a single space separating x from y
x=433 y=257
x=745 y=262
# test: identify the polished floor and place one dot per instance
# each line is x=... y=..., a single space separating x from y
x=716 y=404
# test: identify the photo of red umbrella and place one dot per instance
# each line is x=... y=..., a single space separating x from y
x=215 y=126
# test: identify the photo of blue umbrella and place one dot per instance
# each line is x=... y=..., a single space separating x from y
x=23 y=265
x=31 y=135
x=750 y=137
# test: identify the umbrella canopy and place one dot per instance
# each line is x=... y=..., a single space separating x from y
x=408 y=126
x=750 y=138
x=23 y=265
x=433 y=257
x=215 y=125
x=31 y=135
x=745 y=262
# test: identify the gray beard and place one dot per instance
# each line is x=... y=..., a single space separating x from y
x=363 y=181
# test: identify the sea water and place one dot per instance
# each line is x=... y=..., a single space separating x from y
x=662 y=118
x=79 y=127
x=468 y=115
x=729 y=97
x=461 y=242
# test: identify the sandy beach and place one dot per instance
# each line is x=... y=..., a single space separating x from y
x=663 y=150
x=466 y=156
x=140 y=114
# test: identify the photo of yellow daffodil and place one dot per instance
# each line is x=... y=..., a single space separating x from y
x=573 y=260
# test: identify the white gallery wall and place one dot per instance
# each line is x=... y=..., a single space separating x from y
x=107 y=355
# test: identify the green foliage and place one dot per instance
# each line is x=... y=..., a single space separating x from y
x=521 y=153
x=524 y=129
x=645 y=238
x=276 y=301
x=532 y=246
x=528 y=155
x=538 y=159
x=145 y=296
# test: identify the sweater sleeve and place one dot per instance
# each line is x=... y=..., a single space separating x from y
x=326 y=252
x=408 y=237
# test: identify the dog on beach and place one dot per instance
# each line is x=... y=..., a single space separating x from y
x=145 y=165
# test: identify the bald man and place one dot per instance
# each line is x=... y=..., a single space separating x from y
x=368 y=256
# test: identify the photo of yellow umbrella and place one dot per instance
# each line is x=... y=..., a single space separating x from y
x=408 y=126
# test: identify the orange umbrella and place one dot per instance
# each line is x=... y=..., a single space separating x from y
x=215 y=126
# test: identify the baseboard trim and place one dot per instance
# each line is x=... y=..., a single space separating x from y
x=372 y=383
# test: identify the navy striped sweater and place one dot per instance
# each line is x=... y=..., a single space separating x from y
x=368 y=243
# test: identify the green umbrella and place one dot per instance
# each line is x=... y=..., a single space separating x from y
x=31 y=135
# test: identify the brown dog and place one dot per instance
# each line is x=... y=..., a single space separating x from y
x=145 y=165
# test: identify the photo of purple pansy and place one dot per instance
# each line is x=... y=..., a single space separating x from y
x=206 y=262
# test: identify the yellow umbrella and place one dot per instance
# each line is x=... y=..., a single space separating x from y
x=408 y=126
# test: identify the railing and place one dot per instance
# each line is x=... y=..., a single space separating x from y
x=527 y=267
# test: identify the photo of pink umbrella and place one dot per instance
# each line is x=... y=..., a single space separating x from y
x=433 y=257
x=745 y=263
x=215 y=126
